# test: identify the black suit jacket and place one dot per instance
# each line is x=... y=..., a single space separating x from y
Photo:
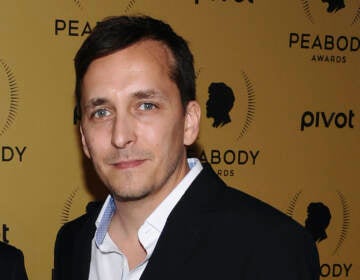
x=11 y=263
x=214 y=232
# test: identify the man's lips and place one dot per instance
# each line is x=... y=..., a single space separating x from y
x=128 y=163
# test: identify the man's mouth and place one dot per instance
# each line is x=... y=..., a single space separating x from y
x=128 y=163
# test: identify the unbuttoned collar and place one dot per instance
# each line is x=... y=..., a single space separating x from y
x=155 y=223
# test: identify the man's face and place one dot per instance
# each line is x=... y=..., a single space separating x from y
x=133 y=125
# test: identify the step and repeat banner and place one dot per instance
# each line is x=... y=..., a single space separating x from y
x=278 y=83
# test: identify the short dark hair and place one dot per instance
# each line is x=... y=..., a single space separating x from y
x=119 y=32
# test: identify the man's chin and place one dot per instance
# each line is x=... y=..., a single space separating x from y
x=127 y=197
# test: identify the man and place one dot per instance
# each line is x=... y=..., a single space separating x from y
x=167 y=217
x=12 y=265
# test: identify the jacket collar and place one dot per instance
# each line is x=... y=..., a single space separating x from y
x=186 y=226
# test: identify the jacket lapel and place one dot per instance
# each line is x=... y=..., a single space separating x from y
x=83 y=243
x=186 y=228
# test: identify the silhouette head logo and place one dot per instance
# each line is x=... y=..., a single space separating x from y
x=334 y=5
x=317 y=220
x=220 y=102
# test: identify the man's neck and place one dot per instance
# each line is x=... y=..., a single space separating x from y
x=124 y=227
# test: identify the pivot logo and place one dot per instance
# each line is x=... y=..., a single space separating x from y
x=328 y=221
x=327 y=120
x=230 y=112
x=4 y=231
x=81 y=27
x=237 y=1
x=9 y=97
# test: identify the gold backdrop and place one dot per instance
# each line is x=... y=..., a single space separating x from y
x=293 y=131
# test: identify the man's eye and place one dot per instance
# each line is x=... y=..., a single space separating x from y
x=147 y=106
x=101 y=113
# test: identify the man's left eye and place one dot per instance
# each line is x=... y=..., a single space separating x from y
x=147 y=106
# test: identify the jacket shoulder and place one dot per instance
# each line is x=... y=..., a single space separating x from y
x=236 y=202
x=71 y=228
x=9 y=252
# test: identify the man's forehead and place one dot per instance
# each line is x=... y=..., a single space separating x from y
x=146 y=48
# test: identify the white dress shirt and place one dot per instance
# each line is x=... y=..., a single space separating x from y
x=107 y=261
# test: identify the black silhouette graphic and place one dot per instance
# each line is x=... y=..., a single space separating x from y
x=220 y=102
x=318 y=220
x=334 y=5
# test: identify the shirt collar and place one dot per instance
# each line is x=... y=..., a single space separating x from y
x=158 y=217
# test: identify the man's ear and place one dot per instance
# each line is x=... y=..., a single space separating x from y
x=84 y=144
x=192 y=122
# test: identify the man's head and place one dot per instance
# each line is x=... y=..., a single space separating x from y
x=117 y=33
x=137 y=104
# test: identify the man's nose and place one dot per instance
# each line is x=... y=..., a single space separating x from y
x=123 y=132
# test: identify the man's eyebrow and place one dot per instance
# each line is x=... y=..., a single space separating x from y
x=145 y=94
x=95 y=102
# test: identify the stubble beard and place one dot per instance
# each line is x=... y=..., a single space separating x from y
x=136 y=193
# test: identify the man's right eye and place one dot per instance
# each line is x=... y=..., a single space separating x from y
x=101 y=113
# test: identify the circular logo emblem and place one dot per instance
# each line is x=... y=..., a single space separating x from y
x=128 y=6
x=228 y=106
x=347 y=12
x=326 y=214
x=9 y=97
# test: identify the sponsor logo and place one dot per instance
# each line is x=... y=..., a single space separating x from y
x=66 y=211
x=318 y=219
x=229 y=112
x=4 y=233
x=327 y=120
x=220 y=102
x=328 y=223
x=327 y=47
x=8 y=110
x=350 y=12
x=15 y=153
x=78 y=4
x=334 y=5
x=9 y=97
x=76 y=27
x=72 y=27
x=75 y=199
x=130 y=4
